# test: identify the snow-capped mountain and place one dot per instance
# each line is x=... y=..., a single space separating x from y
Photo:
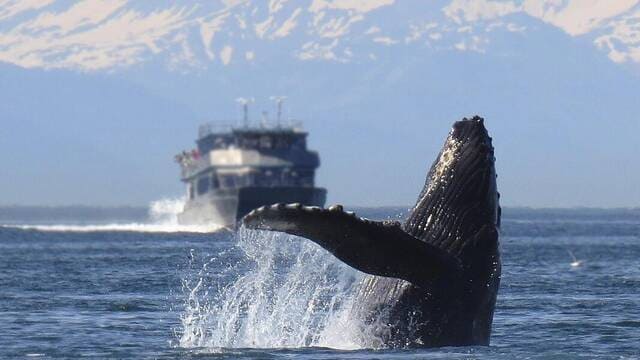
x=99 y=94
x=110 y=34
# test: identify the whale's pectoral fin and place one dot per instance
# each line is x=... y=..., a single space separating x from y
x=377 y=248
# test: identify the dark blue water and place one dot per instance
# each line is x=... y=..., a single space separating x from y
x=150 y=294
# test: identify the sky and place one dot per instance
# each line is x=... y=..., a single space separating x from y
x=100 y=94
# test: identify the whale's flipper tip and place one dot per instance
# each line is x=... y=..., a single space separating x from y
x=297 y=219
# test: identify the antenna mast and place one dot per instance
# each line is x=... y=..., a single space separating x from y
x=279 y=100
x=245 y=109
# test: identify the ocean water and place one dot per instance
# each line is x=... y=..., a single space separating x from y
x=570 y=290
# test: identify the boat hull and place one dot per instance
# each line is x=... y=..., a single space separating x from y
x=226 y=207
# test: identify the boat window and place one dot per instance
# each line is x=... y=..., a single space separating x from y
x=259 y=179
x=293 y=179
x=265 y=142
x=203 y=184
x=250 y=143
x=227 y=181
x=298 y=143
x=281 y=143
x=243 y=180
x=306 y=177
x=251 y=179
x=215 y=183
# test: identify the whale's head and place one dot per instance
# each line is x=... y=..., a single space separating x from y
x=459 y=197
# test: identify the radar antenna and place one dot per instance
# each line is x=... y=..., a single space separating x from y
x=245 y=109
x=279 y=100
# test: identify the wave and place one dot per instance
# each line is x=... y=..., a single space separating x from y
x=271 y=290
x=163 y=218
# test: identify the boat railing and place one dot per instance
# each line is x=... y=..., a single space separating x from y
x=215 y=128
x=190 y=169
x=218 y=127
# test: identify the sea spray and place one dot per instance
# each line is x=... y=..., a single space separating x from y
x=163 y=218
x=280 y=291
x=166 y=210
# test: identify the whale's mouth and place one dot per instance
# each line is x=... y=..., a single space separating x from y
x=470 y=128
x=459 y=196
x=467 y=149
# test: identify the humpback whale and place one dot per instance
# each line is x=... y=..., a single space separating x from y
x=433 y=279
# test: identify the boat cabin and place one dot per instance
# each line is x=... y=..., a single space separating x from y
x=248 y=157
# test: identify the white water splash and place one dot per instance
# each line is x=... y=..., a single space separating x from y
x=283 y=292
x=163 y=216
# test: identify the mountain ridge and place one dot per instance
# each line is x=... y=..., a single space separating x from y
x=101 y=35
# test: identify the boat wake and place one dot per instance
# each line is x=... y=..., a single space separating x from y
x=272 y=291
x=162 y=219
